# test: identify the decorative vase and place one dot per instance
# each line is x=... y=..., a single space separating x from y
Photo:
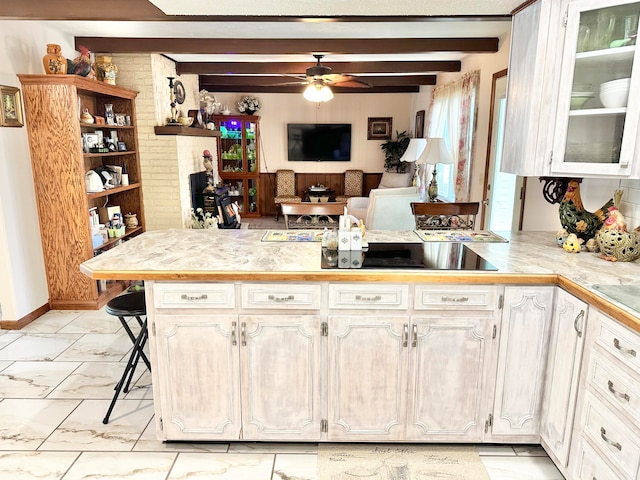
x=131 y=220
x=105 y=70
x=54 y=63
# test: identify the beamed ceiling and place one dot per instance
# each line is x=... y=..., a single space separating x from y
x=237 y=52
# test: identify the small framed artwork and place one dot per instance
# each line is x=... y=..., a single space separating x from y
x=121 y=119
x=420 y=124
x=379 y=128
x=122 y=147
x=10 y=107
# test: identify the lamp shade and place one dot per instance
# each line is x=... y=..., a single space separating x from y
x=436 y=152
x=414 y=149
x=318 y=92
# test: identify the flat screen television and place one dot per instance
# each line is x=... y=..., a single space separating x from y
x=319 y=142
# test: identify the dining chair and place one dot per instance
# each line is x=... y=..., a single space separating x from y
x=445 y=216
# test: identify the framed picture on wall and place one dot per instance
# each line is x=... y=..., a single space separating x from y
x=379 y=128
x=420 y=124
x=10 y=107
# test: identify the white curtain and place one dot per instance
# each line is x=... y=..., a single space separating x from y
x=452 y=116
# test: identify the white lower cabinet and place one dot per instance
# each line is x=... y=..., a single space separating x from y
x=524 y=334
x=566 y=341
x=421 y=377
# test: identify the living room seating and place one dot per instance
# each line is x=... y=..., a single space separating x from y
x=386 y=208
x=357 y=206
x=445 y=216
x=353 y=181
x=285 y=189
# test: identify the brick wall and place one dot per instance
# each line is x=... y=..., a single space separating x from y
x=630 y=204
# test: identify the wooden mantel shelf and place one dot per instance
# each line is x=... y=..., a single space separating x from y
x=190 y=131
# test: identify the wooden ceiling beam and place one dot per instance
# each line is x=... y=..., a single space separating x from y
x=300 y=88
x=266 y=81
x=298 y=68
x=279 y=46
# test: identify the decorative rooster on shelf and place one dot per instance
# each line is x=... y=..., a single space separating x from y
x=575 y=219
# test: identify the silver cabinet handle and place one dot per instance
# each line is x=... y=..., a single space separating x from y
x=624 y=396
x=377 y=298
x=193 y=298
x=243 y=336
x=414 y=336
x=628 y=351
x=455 y=299
x=233 y=334
x=603 y=434
x=575 y=323
x=405 y=335
x=288 y=298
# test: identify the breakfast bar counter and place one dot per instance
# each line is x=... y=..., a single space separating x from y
x=242 y=255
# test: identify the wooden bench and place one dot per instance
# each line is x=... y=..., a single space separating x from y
x=312 y=215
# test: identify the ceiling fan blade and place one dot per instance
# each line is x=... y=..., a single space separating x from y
x=345 y=81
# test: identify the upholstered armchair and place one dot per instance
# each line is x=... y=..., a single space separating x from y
x=386 y=208
x=357 y=206
x=353 y=180
x=285 y=189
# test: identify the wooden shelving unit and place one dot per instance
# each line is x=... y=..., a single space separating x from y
x=53 y=104
x=188 y=131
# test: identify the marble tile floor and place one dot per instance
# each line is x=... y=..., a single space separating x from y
x=56 y=382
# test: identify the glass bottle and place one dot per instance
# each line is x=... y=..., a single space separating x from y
x=108 y=114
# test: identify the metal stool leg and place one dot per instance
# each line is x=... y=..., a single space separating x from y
x=130 y=366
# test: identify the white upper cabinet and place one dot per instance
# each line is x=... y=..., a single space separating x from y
x=568 y=112
x=599 y=98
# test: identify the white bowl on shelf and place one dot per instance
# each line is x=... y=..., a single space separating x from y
x=614 y=94
x=578 y=99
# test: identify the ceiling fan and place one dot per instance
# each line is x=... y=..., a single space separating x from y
x=319 y=78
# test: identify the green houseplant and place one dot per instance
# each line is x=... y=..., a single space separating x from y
x=393 y=151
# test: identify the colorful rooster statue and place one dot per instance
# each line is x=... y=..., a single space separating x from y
x=615 y=242
x=575 y=219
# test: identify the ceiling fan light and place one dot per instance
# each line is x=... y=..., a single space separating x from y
x=318 y=93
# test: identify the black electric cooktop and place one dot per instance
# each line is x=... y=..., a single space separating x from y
x=423 y=255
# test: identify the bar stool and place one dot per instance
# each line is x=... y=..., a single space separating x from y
x=127 y=306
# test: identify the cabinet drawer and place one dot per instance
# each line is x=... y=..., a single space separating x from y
x=590 y=466
x=194 y=295
x=620 y=341
x=615 y=384
x=367 y=296
x=281 y=296
x=611 y=435
x=455 y=297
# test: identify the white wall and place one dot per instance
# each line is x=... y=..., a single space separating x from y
x=278 y=109
x=23 y=286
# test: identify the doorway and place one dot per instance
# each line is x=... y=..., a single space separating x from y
x=503 y=192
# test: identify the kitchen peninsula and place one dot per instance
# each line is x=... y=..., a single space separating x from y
x=253 y=340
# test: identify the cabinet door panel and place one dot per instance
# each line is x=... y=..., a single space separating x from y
x=522 y=361
x=447 y=378
x=368 y=374
x=281 y=365
x=205 y=345
x=563 y=371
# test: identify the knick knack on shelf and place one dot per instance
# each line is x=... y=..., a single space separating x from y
x=105 y=70
x=54 y=63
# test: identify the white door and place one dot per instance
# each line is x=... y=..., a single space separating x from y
x=448 y=391
x=563 y=371
x=280 y=357
x=367 y=377
x=522 y=361
x=203 y=400
x=503 y=192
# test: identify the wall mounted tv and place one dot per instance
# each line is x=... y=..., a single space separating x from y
x=319 y=142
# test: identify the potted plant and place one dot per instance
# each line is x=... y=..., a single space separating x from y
x=393 y=151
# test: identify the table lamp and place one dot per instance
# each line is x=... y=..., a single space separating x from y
x=412 y=153
x=435 y=152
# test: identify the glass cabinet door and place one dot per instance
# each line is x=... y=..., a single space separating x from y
x=231 y=146
x=250 y=139
x=598 y=106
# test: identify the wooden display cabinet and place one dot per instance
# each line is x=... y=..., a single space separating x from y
x=239 y=160
x=53 y=104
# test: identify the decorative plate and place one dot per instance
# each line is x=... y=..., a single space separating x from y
x=178 y=90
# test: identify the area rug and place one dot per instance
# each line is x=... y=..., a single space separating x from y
x=399 y=462
x=292 y=236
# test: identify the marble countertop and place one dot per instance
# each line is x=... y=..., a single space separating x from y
x=528 y=257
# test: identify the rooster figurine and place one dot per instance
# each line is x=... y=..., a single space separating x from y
x=575 y=219
x=615 y=242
